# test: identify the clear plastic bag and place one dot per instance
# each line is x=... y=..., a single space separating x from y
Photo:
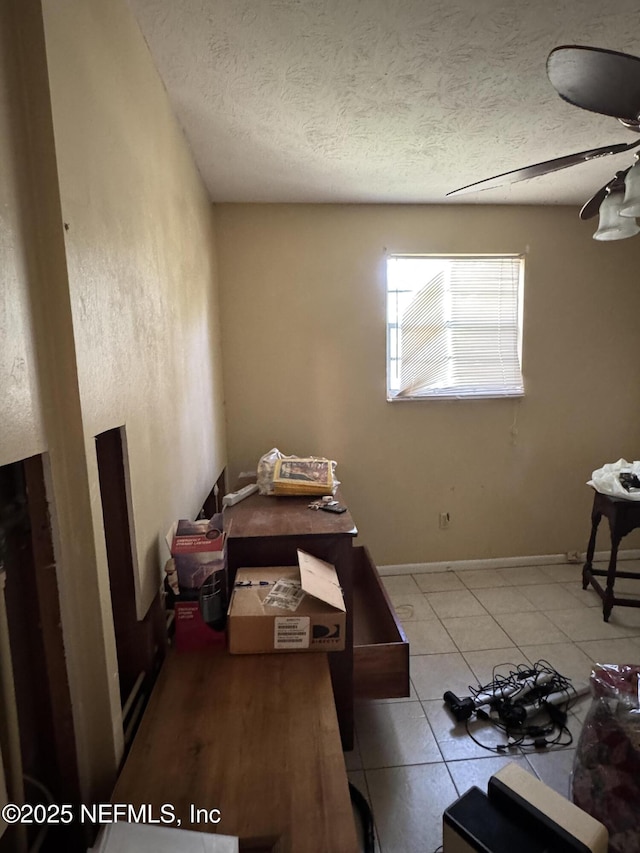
x=319 y=477
x=266 y=467
x=607 y=481
x=606 y=771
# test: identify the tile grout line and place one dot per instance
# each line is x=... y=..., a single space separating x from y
x=567 y=642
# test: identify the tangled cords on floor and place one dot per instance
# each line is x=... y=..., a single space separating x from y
x=520 y=695
x=366 y=818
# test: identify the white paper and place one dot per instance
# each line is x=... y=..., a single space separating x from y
x=285 y=594
x=291 y=632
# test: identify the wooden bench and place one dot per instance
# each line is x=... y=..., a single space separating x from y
x=253 y=736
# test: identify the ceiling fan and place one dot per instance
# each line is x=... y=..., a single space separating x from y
x=605 y=82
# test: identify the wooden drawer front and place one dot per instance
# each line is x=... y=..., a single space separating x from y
x=380 y=646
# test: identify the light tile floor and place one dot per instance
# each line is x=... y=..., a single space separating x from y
x=411 y=759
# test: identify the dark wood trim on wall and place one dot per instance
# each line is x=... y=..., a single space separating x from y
x=48 y=603
x=140 y=644
x=45 y=720
x=213 y=502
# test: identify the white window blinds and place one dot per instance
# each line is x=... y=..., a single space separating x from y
x=454 y=326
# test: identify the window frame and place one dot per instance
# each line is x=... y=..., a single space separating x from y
x=450 y=393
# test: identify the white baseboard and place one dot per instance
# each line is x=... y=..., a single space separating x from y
x=499 y=563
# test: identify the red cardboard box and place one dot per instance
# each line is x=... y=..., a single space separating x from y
x=198 y=548
x=191 y=537
x=192 y=633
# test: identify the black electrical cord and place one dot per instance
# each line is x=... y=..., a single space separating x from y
x=361 y=805
x=522 y=742
x=518 y=709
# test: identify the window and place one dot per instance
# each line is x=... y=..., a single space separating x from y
x=454 y=326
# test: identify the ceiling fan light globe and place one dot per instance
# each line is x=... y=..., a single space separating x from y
x=631 y=204
x=612 y=226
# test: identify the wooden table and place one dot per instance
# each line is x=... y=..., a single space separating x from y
x=254 y=736
x=623 y=517
x=267 y=531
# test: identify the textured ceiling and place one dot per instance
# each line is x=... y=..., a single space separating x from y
x=383 y=100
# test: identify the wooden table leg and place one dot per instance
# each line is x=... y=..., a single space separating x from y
x=611 y=573
x=586 y=571
x=623 y=517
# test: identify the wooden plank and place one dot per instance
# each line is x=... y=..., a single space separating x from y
x=49 y=622
x=56 y=759
x=140 y=644
x=255 y=736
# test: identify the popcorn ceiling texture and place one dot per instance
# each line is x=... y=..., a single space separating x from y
x=383 y=100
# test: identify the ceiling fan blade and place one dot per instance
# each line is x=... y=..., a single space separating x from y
x=539 y=169
x=602 y=81
x=592 y=207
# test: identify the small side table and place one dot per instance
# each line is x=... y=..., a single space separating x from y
x=623 y=517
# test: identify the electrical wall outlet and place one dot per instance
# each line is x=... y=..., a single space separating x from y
x=444 y=519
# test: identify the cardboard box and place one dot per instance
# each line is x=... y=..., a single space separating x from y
x=311 y=622
x=199 y=550
x=192 y=632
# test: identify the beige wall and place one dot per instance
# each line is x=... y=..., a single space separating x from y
x=142 y=268
x=114 y=322
x=303 y=307
x=22 y=432
x=108 y=313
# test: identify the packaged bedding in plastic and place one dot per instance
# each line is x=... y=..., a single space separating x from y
x=606 y=772
x=296 y=475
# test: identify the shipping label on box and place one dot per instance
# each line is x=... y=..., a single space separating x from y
x=287 y=608
x=291 y=632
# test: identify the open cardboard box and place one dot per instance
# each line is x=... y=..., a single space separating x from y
x=316 y=623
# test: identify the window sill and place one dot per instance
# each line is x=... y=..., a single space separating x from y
x=431 y=397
